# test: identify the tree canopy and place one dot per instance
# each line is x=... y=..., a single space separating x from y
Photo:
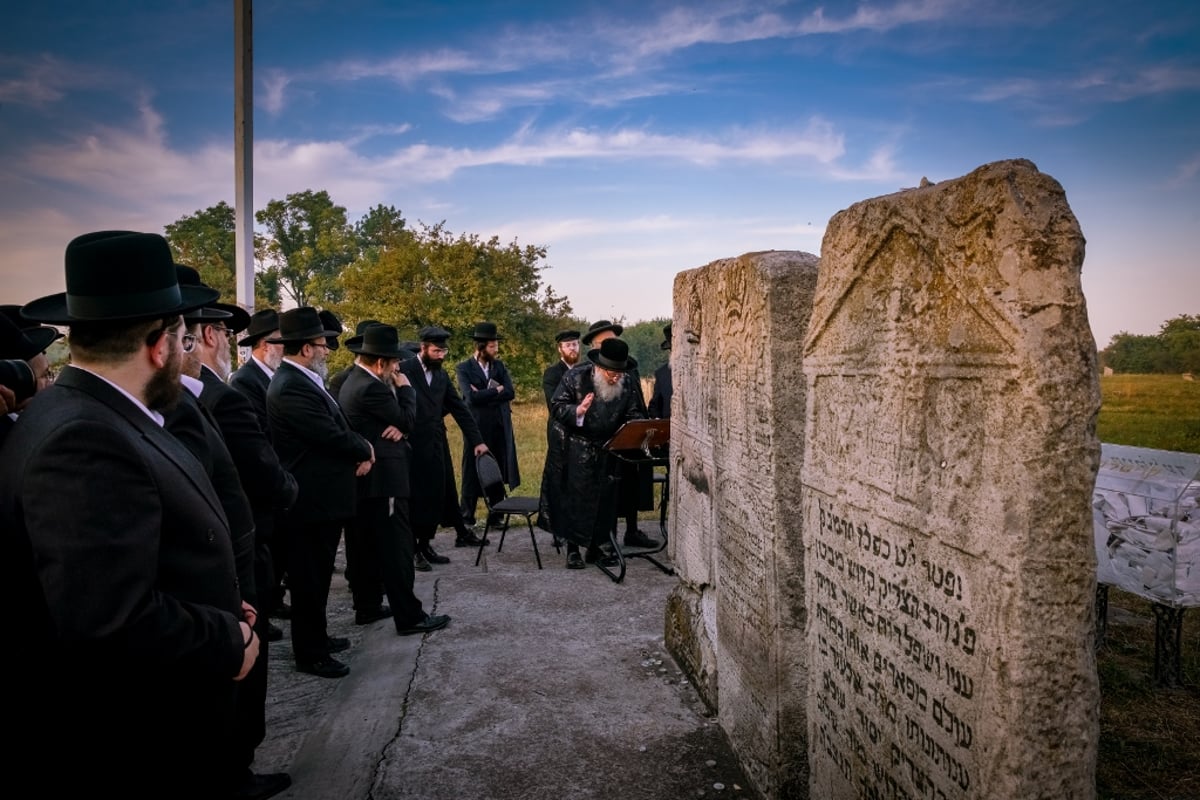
x=1175 y=348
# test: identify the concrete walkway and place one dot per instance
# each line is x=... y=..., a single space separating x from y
x=551 y=684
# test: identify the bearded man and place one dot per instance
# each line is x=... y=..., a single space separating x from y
x=487 y=387
x=253 y=377
x=317 y=445
x=117 y=552
x=432 y=492
x=592 y=402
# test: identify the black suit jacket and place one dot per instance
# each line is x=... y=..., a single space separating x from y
x=315 y=443
x=371 y=406
x=431 y=452
x=119 y=572
x=493 y=413
x=552 y=377
x=660 y=402
x=251 y=381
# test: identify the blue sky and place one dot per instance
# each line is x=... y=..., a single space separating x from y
x=633 y=140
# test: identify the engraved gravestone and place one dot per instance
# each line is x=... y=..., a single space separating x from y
x=736 y=619
x=949 y=463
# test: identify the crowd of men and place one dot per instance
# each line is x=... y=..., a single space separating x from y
x=155 y=503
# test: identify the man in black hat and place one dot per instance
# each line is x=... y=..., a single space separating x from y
x=660 y=402
x=381 y=405
x=316 y=444
x=432 y=490
x=568 y=356
x=487 y=387
x=637 y=488
x=335 y=383
x=17 y=380
x=253 y=377
x=128 y=596
x=41 y=336
x=592 y=401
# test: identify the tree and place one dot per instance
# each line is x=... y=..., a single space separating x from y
x=1176 y=348
x=309 y=244
x=205 y=240
x=1180 y=339
x=645 y=344
x=432 y=277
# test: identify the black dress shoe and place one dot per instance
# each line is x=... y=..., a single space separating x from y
x=575 y=561
x=260 y=787
x=636 y=538
x=366 y=617
x=324 y=667
x=432 y=556
x=419 y=562
x=470 y=540
x=274 y=632
x=338 y=643
x=430 y=623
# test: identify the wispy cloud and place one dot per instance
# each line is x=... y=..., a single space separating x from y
x=44 y=80
x=274 y=83
x=1186 y=172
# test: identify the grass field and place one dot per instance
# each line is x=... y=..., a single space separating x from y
x=1149 y=736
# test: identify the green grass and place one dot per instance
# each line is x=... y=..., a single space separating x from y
x=1157 y=411
x=1149 y=736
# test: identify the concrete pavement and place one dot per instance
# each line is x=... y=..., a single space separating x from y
x=549 y=684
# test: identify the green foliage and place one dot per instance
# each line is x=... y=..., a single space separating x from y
x=1174 y=349
x=412 y=278
x=310 y=242
x=207 y=240
x=645 y=344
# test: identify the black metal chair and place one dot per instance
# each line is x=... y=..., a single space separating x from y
x=491 y=485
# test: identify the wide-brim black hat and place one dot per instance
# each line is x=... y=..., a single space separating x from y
x=433 y=334
x=261 y=323
x=331 y=322
x=190 y=276
x=600 y=327
x=378 y=340
x=118 y=276
x=612 y=354
x=566 y=336
x=485 y=332
x=666 y=343
x=14 y=344
x=301 y=325
x=40 y=336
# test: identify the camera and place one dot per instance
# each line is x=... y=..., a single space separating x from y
x=18 y=376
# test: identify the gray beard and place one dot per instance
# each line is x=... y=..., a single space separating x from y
x=606 y=392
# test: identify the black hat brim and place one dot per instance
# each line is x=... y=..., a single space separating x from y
x=52 y=309
x=41 y=336
x=594 y=356
x=304 y=337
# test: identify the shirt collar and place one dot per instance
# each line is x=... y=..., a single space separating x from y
x=156 y=417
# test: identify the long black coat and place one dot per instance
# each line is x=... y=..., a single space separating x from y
x=252 y=382
x=371 y=406
x=493 y=414
x=579 y=488
x=551 y=378
x=316 y=444
x=433 y=471
x=119 y=575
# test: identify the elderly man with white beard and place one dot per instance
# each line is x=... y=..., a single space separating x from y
x=592 y=401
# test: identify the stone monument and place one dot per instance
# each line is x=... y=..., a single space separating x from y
x=736 y=621
x=950 y=453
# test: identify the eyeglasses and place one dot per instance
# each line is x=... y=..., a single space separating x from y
x=222 y=329
x=319 y=344
x=187 y=342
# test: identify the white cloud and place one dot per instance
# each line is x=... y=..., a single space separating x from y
x=46 y=80
x=274 y=83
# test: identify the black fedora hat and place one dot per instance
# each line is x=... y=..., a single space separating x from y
x=359 y=329
x=600 y=327
x=331 y=322
x=566 y=336
x=434 y=335
x=261 y=323
x=666 y=344
x=41 y=336
x=378 y=340
x=612 y=354
x=301 y=325
x=14 y=343
x=190 y=276
x=118 y=276
x=485 y=332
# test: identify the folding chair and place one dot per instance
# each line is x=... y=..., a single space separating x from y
x=491 y=484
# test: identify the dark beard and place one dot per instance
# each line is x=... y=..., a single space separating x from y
x=432 y=363
x=485 y=357
x=162 y=391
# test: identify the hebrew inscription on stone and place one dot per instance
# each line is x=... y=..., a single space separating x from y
x=950 y=454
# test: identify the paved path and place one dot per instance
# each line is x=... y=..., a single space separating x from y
x=549 y=684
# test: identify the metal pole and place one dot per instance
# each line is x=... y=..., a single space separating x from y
x=243 y=149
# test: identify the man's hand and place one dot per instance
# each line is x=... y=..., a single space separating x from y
x=249 y=614
x=8 y=400
x=480 y=449
x=392 y=434
x=583 y=407
x=250 y=654
x=400 y=379
x=362 y=469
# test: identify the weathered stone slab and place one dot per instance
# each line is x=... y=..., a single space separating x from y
x=950 y=456
x=737 y=619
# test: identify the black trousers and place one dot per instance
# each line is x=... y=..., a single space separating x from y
x=312 y=548
x=391 y=539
